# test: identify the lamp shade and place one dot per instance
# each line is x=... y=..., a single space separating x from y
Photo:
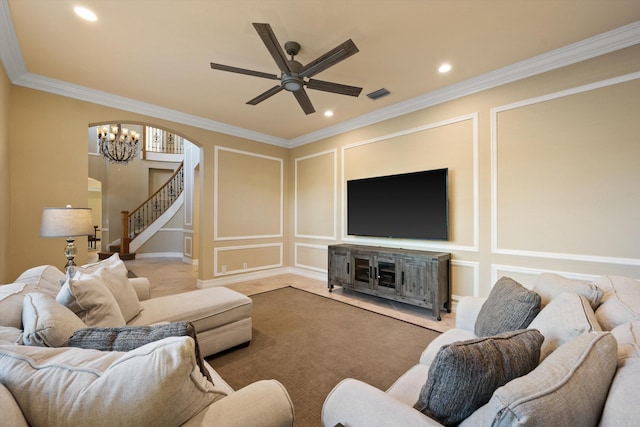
x=66 y=222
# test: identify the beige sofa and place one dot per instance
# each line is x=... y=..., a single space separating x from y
x=588 y=372
x=45 y=382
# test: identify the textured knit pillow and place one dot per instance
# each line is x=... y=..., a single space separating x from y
x=158 y=384
x=128 y=338
x=465 y=374
x=569 y=388
x=509 y=307
x=46 y=322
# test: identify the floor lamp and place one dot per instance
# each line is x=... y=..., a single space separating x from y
x=68 y=223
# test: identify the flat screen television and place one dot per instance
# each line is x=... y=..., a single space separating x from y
x=411 y=206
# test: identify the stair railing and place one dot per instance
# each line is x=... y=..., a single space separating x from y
x=135 y=222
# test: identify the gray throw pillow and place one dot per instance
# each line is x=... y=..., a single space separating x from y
x=128 y=338
x=509 y=307
x=465 y=374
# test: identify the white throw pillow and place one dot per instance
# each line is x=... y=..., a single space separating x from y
x=158 y=384
x=119 y=286
x=10 y=335
x=620 y=303
x=46 y=322
x=92 y=301
x=11 y=297
x=44 y=278
x=550 y=285
x=567 y=316
x=628 y=337
x=113 y=263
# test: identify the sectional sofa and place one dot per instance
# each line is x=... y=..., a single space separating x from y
x=566 y=353
x=53 y=372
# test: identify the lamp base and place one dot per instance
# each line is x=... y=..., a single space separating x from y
x=70 y=252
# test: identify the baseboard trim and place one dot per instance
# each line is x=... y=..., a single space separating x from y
x=255 y=275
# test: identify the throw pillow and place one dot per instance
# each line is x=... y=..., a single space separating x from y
x=46 y=322
x=44 y=278
x=90 y=299
x=115 y=279
x=10 y=335
x=509 y=307
x=620 y=303
x=128 y=338
x=158 y=384
x=11 y=297
x=550 y=285
x=566 y=317
x=464 y=375
x=568 y=388
x=113 y=263
x=628 y=337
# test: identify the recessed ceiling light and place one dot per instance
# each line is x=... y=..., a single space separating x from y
x=444 y=68
x=85 y=14
x=328 y=113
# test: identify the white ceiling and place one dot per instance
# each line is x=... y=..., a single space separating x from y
x=153 y=56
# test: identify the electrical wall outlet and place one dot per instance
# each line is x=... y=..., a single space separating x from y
x=244 y=265
x=224 y=268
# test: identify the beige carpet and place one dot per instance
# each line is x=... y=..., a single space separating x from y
x=310 y=343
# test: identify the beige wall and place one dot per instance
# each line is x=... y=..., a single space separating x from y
x=5 y=188
x=51 y=170
x=543 y=176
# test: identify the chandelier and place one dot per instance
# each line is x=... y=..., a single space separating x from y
x=118 y=144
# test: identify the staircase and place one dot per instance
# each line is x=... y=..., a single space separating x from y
x=141 y=224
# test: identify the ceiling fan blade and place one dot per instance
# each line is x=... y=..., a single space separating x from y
x=243 y=71
x=304 y=101
x=330 y=58
x=258 y=99
x=334 y=87
x=273 y=46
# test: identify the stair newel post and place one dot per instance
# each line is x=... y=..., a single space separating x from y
x=124 y=239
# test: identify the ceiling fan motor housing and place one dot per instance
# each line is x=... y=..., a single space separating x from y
x=292 y=81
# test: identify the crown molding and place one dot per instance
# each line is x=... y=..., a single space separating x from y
x=592 y=47
x=58 y=87
x=10 y=53
x=613 y=40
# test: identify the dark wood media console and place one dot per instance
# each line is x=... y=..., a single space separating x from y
x=414 y=277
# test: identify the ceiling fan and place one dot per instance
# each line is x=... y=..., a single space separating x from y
x=294 y=76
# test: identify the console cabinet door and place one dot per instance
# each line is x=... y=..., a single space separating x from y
x=361 y=270
x=387 y=275
x=339 y=267
x=414 y=280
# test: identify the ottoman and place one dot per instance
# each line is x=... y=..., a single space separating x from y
x=221 y=316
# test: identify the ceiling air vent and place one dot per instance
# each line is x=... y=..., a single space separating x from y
x=376 y=94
